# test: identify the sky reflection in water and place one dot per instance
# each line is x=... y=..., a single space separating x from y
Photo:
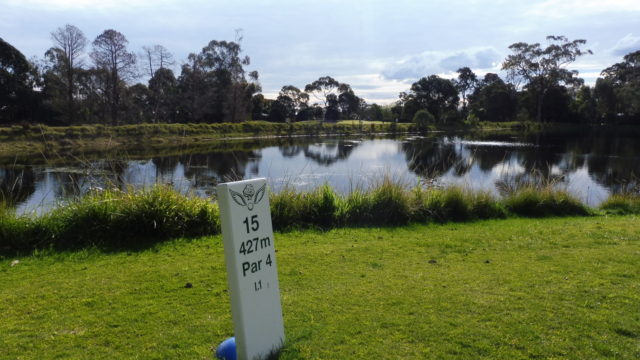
x=590 y=166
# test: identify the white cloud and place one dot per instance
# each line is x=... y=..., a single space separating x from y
x=85 y=4
x=442 y=62
x=573 y=8
x=626 y=45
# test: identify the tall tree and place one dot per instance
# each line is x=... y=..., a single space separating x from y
x=216 y=85
x=92 y=86
x=163 y=88
x=110 y=53
x=138 y=107
x=69 y=43
x=375 y=113
x=465 y=83
x=626 y=71
x=289 y=102
x=154 y=58
x=260 y=107
x=16 y=87
x=623 y=79
x=493 y=99
x=351 y=106
x=327 y=89
x=543 y=69
x=584 y=105
x=435 y=94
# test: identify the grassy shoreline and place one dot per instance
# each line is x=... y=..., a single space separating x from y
x=494 y=289
x=35 y=139
x=40 y=138
x=116 y=220
x=20 y=141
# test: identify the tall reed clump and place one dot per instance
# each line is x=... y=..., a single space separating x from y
x=541 y=202
x=296 y=209
x=122 y=220
x=113 y=219
x=622 y=204
x=455 y=204
x=387 y=204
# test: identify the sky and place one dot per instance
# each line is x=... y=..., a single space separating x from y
x=378 y=47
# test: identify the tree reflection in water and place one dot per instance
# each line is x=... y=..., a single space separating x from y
x=590 y=164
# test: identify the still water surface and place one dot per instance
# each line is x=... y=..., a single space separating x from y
x=591 y=165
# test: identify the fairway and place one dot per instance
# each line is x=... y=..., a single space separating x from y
x=500 y=289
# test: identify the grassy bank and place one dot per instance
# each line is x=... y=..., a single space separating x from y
x=20 y=140
x=116 y=220
x=39 y=138
x=498 y=289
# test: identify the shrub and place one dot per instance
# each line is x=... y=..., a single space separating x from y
x=423 y=119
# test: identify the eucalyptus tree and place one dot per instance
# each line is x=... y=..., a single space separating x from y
x=154 y=58
x=110 y=53
x=15 y=86
x=292 y=101
x=465 y=83
x=375 y=113
x=543 y=69
x=433 y=93
x=334 y=95
x=64 y=62
x=138 y=104
x=622 y=82
x=214 y=84
x=92 y=87
x=351 y=106
x=493 y=99
x=163 y=91
x=323 y=87
x=260 y=107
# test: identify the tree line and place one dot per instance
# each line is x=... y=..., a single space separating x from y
x=77 y=82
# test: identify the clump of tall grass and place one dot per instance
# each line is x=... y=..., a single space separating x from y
x=544 y=201
x=385 y=203
x=622 y=204
x=112 y=219
x=455 y=204
x=302 y=209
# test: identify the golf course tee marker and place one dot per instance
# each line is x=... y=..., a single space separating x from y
x=250 y=257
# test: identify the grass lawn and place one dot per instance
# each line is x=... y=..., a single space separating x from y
x=499 y=289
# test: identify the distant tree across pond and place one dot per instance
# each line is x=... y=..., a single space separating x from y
x=215 y=85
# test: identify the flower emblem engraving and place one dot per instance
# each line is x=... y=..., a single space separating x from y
x=249 y=196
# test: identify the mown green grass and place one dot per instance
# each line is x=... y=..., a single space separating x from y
x=499 y=289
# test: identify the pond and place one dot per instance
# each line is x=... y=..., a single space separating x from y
x=590 y=164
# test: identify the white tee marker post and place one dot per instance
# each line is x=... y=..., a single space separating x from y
x=252 y=274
